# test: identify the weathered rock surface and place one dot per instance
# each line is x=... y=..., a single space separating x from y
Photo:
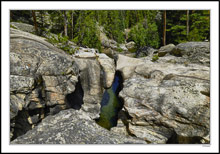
x=72 y=127
x=22 y=26
x=110 y=46
x=109 y=52
x=122 y=123
x=40 y=76
x=108 y=67
x=166 y=100
x=45 y=80
x=166 y=50
x=196 y=52
x=97 y=72
x=145 y=51
x=127 y=65
x=130 y=46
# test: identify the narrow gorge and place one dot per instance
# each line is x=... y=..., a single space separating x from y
x=91 y=98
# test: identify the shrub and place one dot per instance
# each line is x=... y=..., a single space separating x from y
x=60 y=42
x=155 y=58
x=144 y=36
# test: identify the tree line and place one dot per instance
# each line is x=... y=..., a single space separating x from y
x=145 y=27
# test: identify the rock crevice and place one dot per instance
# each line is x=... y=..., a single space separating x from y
x=167 y=101
x=163 y=99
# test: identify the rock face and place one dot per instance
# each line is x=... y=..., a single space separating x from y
x=166 y=102
x=22 y=26
x=127 y=65
x=40 y=78
x=97 y=72
x=45 y=80
x=72 y=127
x=196 y=52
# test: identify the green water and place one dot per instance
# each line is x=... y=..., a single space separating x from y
x=110 y=105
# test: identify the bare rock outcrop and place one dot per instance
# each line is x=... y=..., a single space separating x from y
x=41 y=76
x=72 y=127
x=196 y=52
x=45 y=80
x=166 y=102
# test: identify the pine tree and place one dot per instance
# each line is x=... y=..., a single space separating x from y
x=145 y=33
x=114 y=26
x=87 y=32
x=200 y=25
x=181 y=29
x=146 y=29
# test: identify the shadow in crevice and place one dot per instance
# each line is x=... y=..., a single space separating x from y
x=21 y=124
x=75 y=99
x=178 y=139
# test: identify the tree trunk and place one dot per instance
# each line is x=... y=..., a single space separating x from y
x=123 y=20
x=35 y=21
x=65 y=23
x=72 y=25
x=187 y=23
x=164 y=28
x=11 y=15
x=42 y=19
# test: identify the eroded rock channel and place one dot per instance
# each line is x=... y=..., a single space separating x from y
x=60 y=99
x=111 y=103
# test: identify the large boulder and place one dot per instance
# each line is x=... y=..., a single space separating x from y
x=126 y=65
x=107 y=65
x=45 y=80
x=97 y=73
x=41 y=76
x=145 y=51
x=109 y=52
x=166 y=102
x=130 y=46
x=165 y=50
x=72 y=127
x=196 y=52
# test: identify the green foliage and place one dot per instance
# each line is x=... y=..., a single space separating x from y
x=146 y=26
x=87 y=33
x=22 y=16
x=138 y=35
x=119 y=49
x=114 y=26
x=60 y=42
x=152 y=38
x=145 y=36
x=199 y=26
x=155 y=58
